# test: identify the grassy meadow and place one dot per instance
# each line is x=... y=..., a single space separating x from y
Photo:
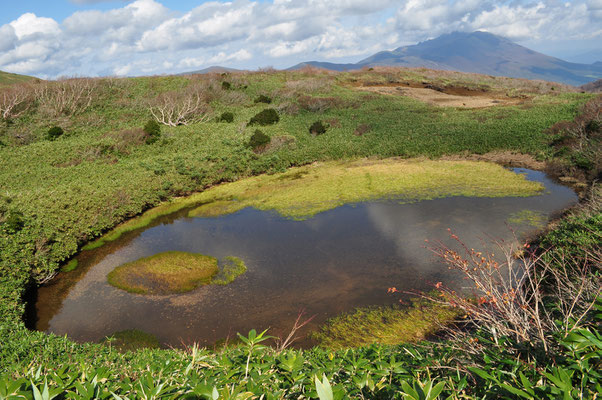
x=62 y=189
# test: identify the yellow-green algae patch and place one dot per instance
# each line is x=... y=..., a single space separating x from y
x=231 y=268
x=165 y=273
x=304 y=191
x=527 y=217
x=384 y=325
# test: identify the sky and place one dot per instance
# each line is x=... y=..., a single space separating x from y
x=59 y=38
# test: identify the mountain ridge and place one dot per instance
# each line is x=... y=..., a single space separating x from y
x=476 y=52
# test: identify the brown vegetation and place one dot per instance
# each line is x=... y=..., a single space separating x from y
x=67 y=97
x=510 y=297
x=181 y=107
x=14 y=101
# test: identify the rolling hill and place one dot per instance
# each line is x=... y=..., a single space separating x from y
x=6 y=78
x=478 y=52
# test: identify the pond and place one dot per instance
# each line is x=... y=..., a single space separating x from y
x=330 y=263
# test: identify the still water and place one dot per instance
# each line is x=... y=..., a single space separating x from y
x=334 y=262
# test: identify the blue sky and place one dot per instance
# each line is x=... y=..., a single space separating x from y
x=52 y=38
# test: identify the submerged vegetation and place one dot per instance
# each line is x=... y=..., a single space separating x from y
x=230 y=269
x=164 y=273
x=58 y=195
x=132 y=340
x=384 y=325
x=527 y=217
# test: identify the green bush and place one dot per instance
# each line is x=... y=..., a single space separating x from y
x=54 y=132
x=582 y=161
x=153 y=131
x=13 y=222
x=317 y=128
x=269 y=116
x=226 y=85
x=592 y=126
x=259 y=139
x=226 y=117
x=262 y=98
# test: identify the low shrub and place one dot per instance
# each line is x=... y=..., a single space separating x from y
x=54 y=132
x=152 y=130
x=259 y=140
x=226 y=85
x=269 y=116
x=226 y=117
x=362 y=129
x=262 y=98
x=317 y=128
x=13 y=222
x=319 y=104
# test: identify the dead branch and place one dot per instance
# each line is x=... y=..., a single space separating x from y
x=180 y=107
x=66 y=97
x=512 y=297
x=14 y=101
x=282 y=344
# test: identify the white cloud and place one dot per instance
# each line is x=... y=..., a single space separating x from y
x=8 y=38
x=29 y=26
x=144 y=36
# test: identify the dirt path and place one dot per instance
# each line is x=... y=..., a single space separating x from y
x=438 y=96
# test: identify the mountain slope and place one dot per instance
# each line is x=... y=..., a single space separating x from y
x=593 y=87
x=211 y=70
x=483 y=53
x=6 y=78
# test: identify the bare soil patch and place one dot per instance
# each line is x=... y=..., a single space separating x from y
x=444 y=97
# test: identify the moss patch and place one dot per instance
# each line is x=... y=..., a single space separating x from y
x=131 y=340
x=70 y=266
x=217 y=209
x=164 y=273
x=231 y=269
x=527 y=217
x=305 y=191
x=384 y=325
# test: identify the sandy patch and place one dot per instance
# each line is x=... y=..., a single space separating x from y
x=440 y=98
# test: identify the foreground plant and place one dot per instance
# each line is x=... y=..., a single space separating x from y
x=526 y=296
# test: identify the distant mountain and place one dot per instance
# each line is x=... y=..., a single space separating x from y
x=478 y=52
x=6 y=78
x=210 y=70
x=593 y=87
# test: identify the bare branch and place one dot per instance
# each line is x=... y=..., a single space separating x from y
x=14 y=101
x=180 y=107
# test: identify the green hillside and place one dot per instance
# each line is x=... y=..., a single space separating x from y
x=6 y=78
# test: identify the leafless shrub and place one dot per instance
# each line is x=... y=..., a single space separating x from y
x=319 y=104
x=288 y=107
x=126 y=138
x=14 y=101
x=309 y=85
x=282 y=344
x=67 y=97
x=512 y=298
x=234 y=98
x=181 y=107
x=279 y=142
